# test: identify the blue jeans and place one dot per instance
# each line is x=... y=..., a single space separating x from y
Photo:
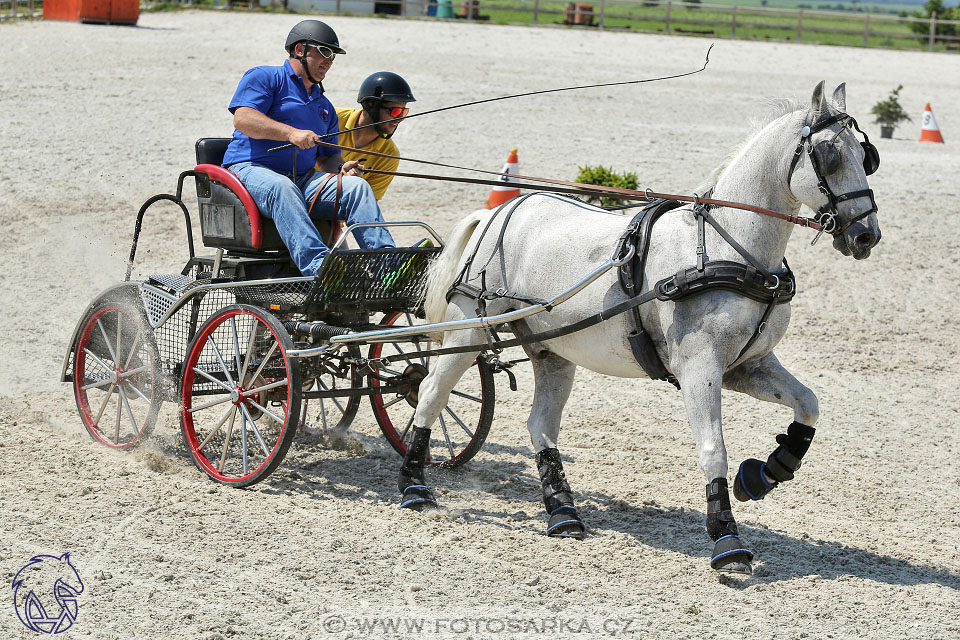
x=285 y=203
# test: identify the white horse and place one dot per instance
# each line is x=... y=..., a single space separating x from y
x=808 y=156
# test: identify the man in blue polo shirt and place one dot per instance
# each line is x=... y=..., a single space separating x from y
x=286 y=103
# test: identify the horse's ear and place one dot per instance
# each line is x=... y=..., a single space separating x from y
x=840 y=97
x=816 y=103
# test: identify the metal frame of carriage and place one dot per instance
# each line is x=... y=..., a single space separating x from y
x=186 y=337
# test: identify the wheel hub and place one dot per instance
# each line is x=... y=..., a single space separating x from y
x=410 y=386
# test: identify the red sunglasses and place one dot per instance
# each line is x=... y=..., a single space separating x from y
x=397 y=112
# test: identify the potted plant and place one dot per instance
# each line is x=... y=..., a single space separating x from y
x=888 y=113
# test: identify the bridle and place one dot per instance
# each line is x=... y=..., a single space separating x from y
x=825 y=160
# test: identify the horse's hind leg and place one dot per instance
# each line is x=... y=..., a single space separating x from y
x=766 y=379
x=433 y=395
x=700 y=376
x=553 y=380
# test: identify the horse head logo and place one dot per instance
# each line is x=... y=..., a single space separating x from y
x=45 y=594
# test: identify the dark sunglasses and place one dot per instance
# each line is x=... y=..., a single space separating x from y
x=397 y=112
x=326 y=52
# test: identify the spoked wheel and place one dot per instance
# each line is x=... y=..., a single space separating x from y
x=240 y=395
x=464 y=422
x=115 y=375
x=331 y=375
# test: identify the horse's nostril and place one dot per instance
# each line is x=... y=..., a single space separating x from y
x=865 y=239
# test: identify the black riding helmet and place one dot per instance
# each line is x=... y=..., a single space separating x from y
x=380 y=87
x=312 y=31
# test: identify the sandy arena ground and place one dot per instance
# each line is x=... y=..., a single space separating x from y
x=864 y=544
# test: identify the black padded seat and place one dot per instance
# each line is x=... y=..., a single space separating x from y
x=230 y=219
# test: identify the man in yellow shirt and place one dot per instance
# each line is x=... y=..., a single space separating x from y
x=383 y=96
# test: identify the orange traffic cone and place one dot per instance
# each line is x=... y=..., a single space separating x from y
x=500 y=194
x=930 y=132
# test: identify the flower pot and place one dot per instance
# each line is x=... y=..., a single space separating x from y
x=886 y=131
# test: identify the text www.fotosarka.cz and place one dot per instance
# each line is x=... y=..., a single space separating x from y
x=488 y=625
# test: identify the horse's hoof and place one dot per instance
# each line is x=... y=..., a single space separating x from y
x=418 y=497
x=750 y=483
x=729 y=556
x=566 y=523
x=741 y=568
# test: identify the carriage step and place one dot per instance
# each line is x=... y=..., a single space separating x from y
x=171 y=282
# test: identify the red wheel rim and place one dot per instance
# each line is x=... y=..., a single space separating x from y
x=189 y=377
x=111 y=369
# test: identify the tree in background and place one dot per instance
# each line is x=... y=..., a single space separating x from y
x=943 y=13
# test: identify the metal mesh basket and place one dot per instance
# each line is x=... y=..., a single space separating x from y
x=278 y=296
x=391 y=279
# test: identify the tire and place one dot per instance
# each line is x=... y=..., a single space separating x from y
x=115 y=364
x=267 y=398
x=465 y=421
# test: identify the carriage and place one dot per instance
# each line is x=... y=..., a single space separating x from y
x=240 y=341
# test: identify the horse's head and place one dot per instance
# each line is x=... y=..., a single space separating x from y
x=829 y=170
x=68 y=574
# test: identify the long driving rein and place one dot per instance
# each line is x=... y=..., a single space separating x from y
x=573 y=188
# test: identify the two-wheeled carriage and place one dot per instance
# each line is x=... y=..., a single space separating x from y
x=233 y=340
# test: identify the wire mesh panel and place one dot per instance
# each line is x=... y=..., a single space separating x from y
x=277 y=296
x=373 y=279
x=174 y=335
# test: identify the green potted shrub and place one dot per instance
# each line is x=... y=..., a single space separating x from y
x=606 y=177
x=889 y=113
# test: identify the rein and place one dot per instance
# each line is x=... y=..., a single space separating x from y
x=568 y=187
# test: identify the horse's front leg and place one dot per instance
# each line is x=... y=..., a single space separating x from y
x=766 y=379
x=700 y=373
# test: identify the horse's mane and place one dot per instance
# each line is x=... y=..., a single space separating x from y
x=775 y=108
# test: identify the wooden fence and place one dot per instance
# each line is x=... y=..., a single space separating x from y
x=830 y=27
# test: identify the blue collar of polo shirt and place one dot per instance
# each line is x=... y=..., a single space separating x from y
x=293 y=74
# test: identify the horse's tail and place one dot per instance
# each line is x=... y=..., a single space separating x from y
x=443 y=270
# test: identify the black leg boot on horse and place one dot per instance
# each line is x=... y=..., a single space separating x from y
x=728 y=553
x=755 y=479
x=414 y=492
x=564 y=521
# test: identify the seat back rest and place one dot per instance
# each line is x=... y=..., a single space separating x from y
x=211 y=150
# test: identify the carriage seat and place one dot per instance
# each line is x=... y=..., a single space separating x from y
x=230 y=219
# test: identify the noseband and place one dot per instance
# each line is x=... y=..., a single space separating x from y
x=825 y=160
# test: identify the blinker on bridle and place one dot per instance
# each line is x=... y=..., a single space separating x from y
x=825 y=160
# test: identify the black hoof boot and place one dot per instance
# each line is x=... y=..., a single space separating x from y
x=417 y=497
x=729 y=555
x=414 y=492
x=751 y=484
x=564 y=521
x=754 y=477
